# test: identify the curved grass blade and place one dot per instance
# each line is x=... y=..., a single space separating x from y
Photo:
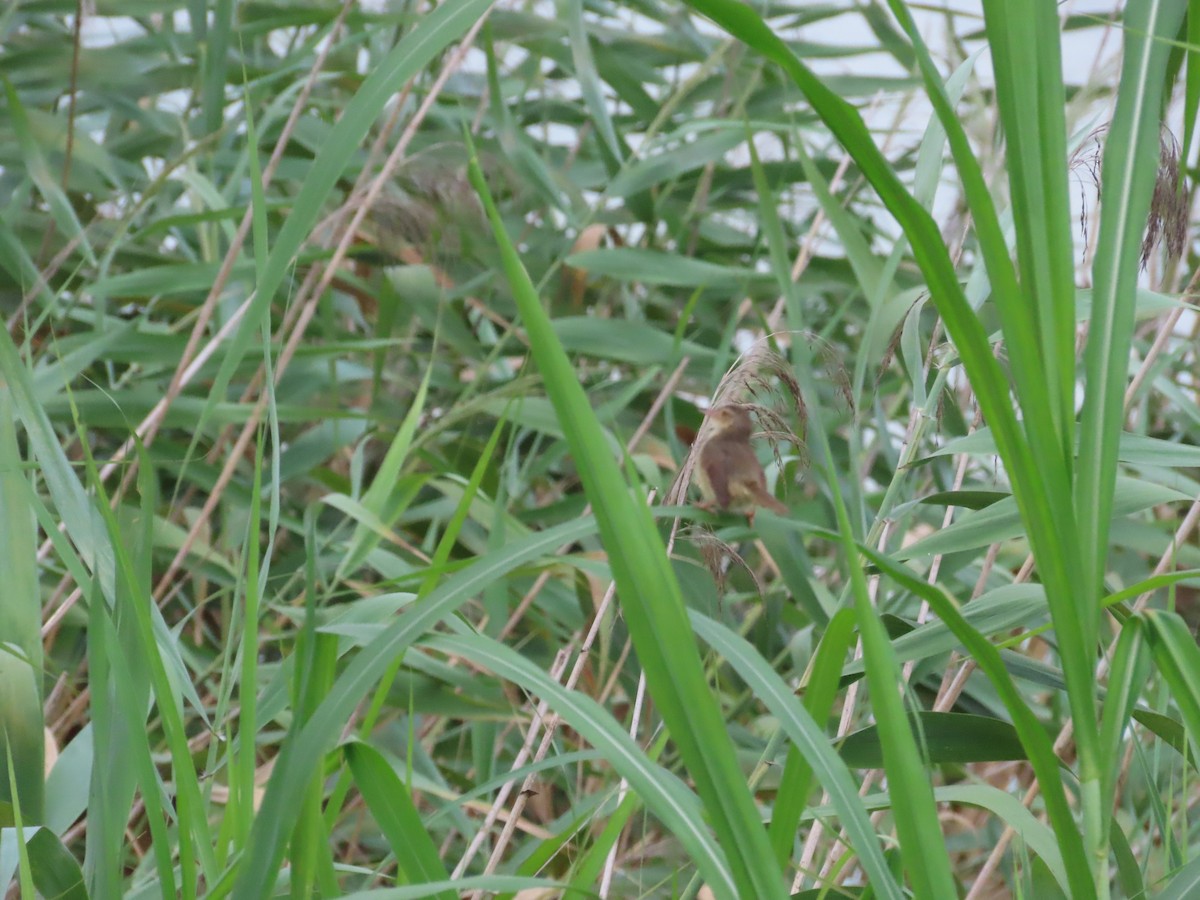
x=1033 y=736
x=392 y=806
x=303 y=749
x=662 y=793
x=1044 y=500
x=812 y=742
x=650 y=596
x=819 y=695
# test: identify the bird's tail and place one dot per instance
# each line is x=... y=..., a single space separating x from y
x=767 y=501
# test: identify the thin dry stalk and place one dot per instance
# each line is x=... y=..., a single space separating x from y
x=309 y=307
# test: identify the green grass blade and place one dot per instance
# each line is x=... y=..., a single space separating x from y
x=75 y=511
x=303 y=750
x=1183 y=884
x=612 y=148
x=383 y=486
x=819 y=695
x=650 y=595
x=392 y=806
x=1127 y=182
x=137 y=609
x=36 y=166
x=810 y=739
x=1033 y=736
x=1191 y=97
x=216 y=64
x=1027 y=60
x=129 y=696
x=1050 y=525
x=56 y=873
x=1177 y=657
x=312 y=872
x=18 y=826
x=1126 y=679
x=921 y=843
x=1030 y=828
x=590 y=865
x=112 y=781
x=21 y=721
x=1049 y=434
x=462 y=887
x=664 y=794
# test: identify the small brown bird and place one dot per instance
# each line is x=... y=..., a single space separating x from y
x=728 y=473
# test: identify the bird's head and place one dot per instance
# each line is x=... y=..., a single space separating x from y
x=730 y=421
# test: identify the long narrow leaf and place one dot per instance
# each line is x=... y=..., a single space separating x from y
x=664 y=794
x=650 y=595
x=21 y=736
x=1033 y=736
x=304 y=749
x=1127 y=183
x=1027 y=59
x=811 y=741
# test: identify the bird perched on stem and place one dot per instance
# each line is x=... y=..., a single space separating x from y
x=728 y=473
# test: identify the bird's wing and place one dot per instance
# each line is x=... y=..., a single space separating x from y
x=716 y=468
x=752 y=481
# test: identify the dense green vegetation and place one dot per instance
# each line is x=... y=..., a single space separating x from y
x=352 y=363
